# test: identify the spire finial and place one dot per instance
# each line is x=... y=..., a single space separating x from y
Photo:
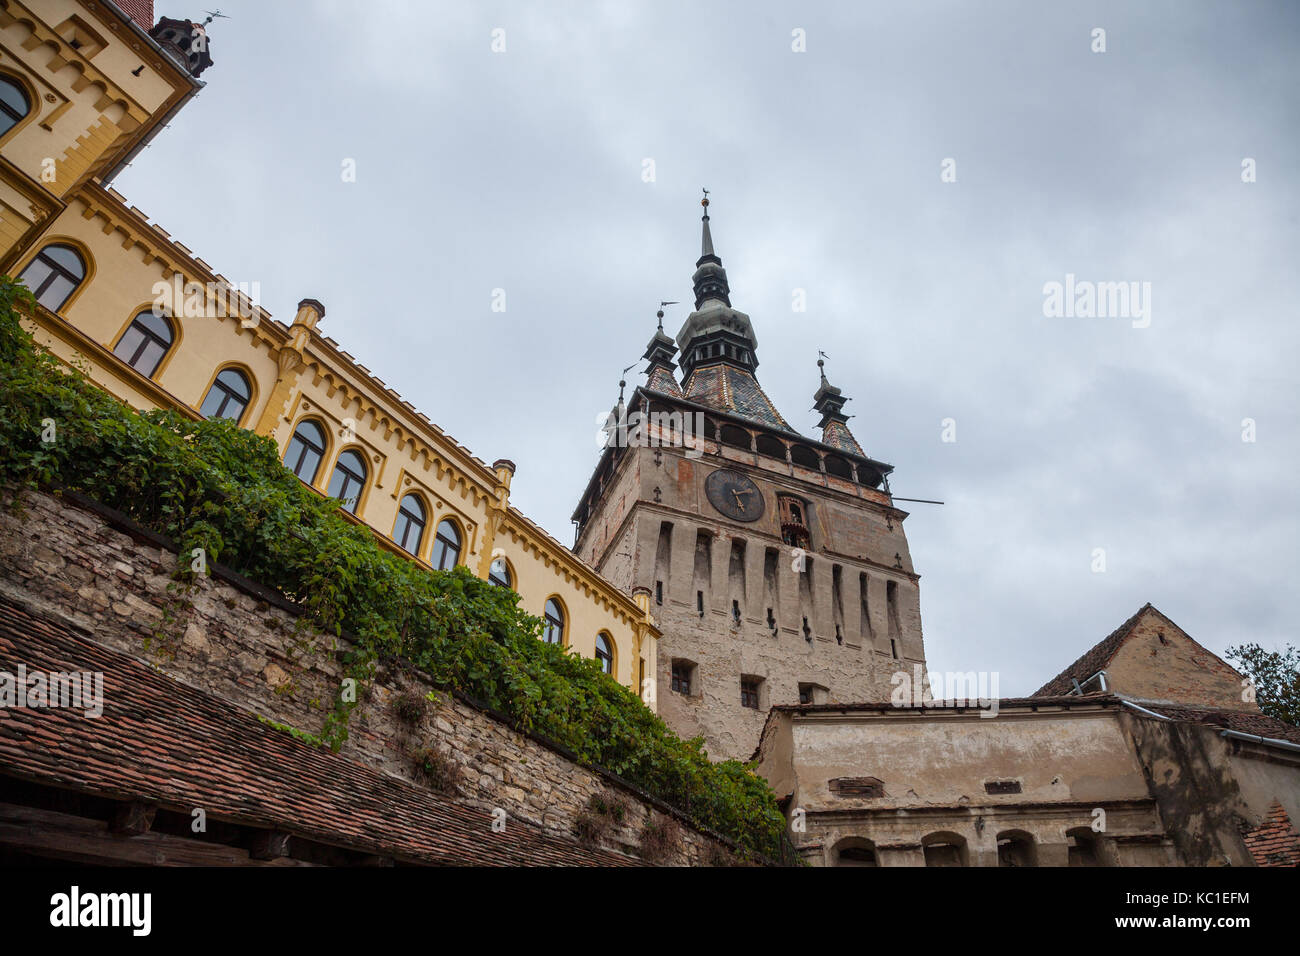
x=821 y=364
x=706 y=243
x=660 y=313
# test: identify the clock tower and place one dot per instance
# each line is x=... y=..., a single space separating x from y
x=775 y=563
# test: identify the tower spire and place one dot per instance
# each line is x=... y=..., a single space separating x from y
x=710 y=278
x=829 y=401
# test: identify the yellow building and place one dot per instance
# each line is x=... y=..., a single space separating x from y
x=84 y=85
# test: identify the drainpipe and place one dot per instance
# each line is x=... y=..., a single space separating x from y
x=1143 y=710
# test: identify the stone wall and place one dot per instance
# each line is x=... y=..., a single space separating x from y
x=241 y=642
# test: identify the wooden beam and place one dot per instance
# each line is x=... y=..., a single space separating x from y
x=269 y=845
x=133 y=818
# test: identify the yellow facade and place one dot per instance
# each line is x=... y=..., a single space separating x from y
x=87 y=114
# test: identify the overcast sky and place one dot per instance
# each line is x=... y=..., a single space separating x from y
x=524 y=170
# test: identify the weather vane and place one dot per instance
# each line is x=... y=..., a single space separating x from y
x=212 y=15
x=660 y=313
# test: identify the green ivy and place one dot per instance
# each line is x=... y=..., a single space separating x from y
x=212 y=485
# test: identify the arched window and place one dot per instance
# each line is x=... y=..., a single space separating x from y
x=772 y=447
x=554 y=631
x=14 y=104
x=499 y=573
x=805 y=457
x=735 y=437
x=228 y=397
x=838 y=467
x=54 y=274
x=305 y=451
x=605 y=652
x=408 y=531
x=446 y=545
x=145 y=342
x=348 y=479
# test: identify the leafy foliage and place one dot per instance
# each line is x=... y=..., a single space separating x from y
x=1276 y=676
x=212 y=485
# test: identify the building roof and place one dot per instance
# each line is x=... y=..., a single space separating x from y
x=729 y=389
x=1245 y=722
x=162 y=742
x=1096 y=657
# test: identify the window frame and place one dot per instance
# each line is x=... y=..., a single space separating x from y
x=148 y=336
x=243 y=373
x=606 y=660
x=436 y=559
x=552 y=623
x=323 y=454
x=423 y=522
x=350 y=475
x=58 y=269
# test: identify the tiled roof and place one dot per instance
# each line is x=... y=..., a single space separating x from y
x=1095 y=659
x=166 y=743
x=662 y=380
x=733 y=390
x=837 y=435
x=1275 y=842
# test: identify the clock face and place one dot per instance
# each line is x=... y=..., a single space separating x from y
x=735 y=495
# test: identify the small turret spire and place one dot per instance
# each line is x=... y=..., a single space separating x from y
x=830 y=402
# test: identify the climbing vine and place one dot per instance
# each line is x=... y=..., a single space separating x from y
x=212 y=485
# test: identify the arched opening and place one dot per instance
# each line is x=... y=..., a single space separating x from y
x=771 y=447
x=553 y=619
x=837 y=466
x=305 y=451
x=145 y=342
x=408 y=530
x=944 y=849
x=605 y=652
x=14 y=103
x=1016 y=848
x=1084 y=847
x=229 y=396
x=854 y=851
x=735 y=436
x=54 y=275
x=805 y=457
x=446 y=545
x=500 y=574
x=348 y=480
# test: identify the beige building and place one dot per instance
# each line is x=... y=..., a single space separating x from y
x=84 y=84
x=1077 y=775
